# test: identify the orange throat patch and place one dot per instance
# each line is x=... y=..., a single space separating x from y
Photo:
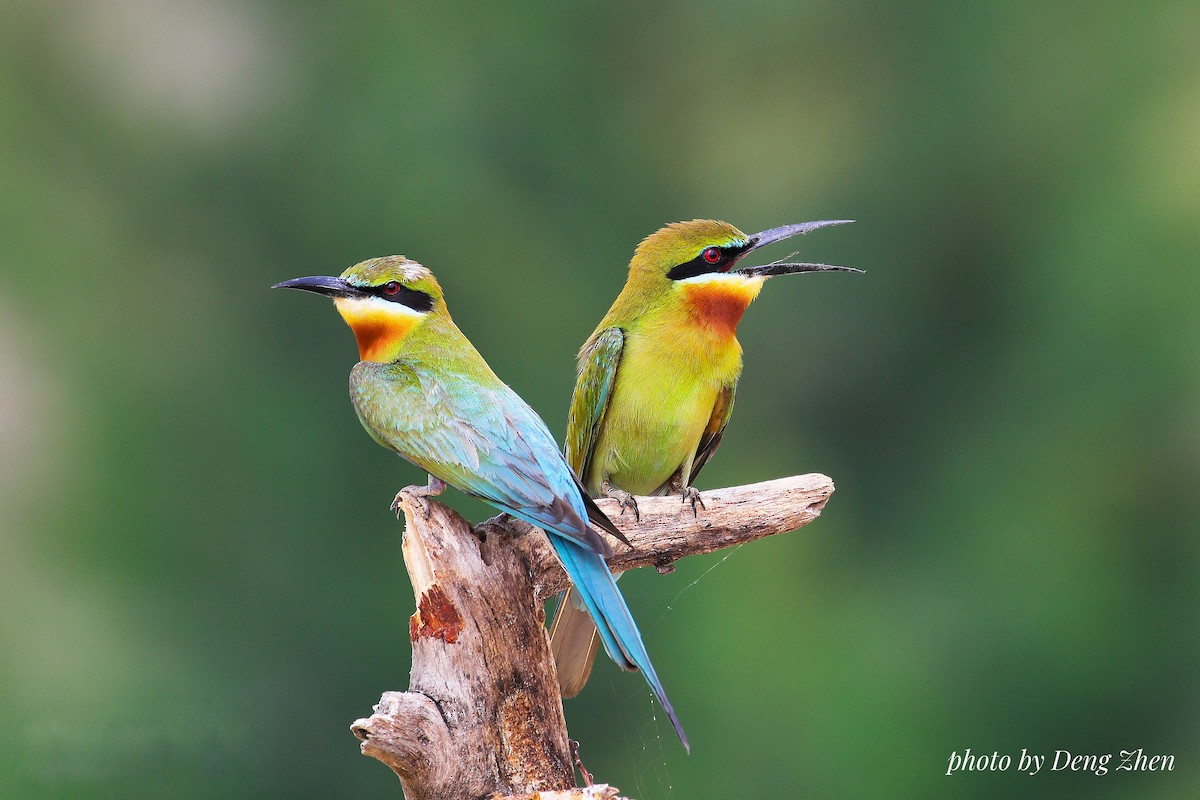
x=718 y=302
x=379 y=326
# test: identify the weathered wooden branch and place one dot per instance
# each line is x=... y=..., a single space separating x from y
x=482 y=716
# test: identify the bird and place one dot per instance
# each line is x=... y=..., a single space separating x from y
x=656 y=382
x=422 y=390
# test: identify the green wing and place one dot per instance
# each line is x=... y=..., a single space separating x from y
x=478 y=437
x=593 y=388
x=711 y=439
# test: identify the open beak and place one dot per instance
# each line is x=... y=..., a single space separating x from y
x=786 y=232
x=331 y=287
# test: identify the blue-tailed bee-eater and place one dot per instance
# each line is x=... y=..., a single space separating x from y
x=656 y=382
x=422 y=390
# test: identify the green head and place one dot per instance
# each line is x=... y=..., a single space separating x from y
x=693 y=267
x=704 y=247
x=383 y=300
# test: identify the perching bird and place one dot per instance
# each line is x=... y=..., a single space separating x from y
x=422 y=390
x=656 y=382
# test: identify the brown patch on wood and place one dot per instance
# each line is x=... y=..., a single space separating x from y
x=435 y=617
x=523 y=719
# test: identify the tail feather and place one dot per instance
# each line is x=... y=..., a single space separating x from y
x=599 y=593
x=574 y=641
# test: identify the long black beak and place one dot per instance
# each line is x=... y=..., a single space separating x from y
x=332 y=287
x=786 y=232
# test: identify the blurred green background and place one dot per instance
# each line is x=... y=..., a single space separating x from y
x=200 y=580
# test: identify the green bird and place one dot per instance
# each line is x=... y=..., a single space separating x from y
x=423 y=391
x=657 y=379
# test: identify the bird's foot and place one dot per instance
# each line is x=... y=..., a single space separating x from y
x=502 y=525
x=624 y=499
x=419 y=496
x=691 y=494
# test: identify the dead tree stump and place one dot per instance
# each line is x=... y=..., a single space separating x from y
x=482 y=716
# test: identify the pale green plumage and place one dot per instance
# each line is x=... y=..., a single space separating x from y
x=427 y=394
x=657 y=380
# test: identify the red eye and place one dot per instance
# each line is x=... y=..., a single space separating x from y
x=711 y=254
x=391 y=287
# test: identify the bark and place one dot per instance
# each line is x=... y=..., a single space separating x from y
x=482 y=716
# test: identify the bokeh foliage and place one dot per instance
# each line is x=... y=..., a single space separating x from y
x=201 y=582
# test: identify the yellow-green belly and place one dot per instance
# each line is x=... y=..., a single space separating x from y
x=651 y=428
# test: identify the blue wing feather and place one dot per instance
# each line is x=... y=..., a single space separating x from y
x=481 y=439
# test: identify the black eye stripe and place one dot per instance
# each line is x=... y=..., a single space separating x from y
x=413 y=298
x=701 y=266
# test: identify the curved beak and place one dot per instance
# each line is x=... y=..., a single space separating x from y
x=786 y=232
x=331 y=287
